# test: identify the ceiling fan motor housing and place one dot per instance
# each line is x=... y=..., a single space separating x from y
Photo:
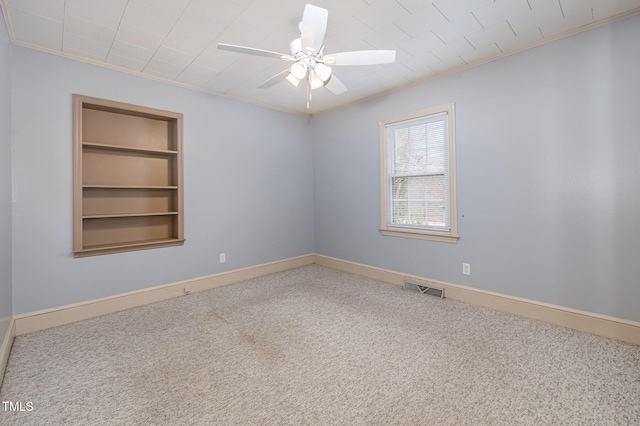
x=295 y=47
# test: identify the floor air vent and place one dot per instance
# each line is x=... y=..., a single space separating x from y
x=424 y=289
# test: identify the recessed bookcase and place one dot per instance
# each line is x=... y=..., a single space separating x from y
x=128 y=192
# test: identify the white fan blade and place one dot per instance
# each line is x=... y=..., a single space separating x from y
x=313 y=28
x=274 y=80
x=256 y=52
x=336 y=86
x=361 y=57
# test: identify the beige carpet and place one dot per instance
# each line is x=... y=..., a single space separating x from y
x=319 y=347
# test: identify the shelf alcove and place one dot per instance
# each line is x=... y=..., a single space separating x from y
x=128 y=192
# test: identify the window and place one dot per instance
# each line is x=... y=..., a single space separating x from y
x=417 y=180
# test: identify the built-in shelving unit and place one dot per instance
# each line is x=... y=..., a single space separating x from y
x=127 y=178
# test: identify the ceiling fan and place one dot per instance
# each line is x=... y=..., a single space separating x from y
x=309 y=60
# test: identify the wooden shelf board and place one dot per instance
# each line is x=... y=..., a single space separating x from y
x=98 y=104
x=130 y=246
x=126 y=148
x=106 y=216
x=126 y=187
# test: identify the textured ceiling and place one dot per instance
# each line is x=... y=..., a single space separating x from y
x=175 y=40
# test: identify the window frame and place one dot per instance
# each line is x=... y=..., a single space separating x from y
x=409 y=231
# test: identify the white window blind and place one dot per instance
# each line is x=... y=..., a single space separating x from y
x=418 y=175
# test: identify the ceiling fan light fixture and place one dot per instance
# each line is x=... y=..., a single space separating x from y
x=322 y=71
x=299 y=70
x=293 y=80
x=314 y=81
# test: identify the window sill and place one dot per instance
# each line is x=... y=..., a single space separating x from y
x=420 y=235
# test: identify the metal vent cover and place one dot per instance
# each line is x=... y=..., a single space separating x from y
x=424 y=289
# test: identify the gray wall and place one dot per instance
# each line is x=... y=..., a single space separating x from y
x=5 y=179
x=548 y=151
x=548 y=160
x=248 y=185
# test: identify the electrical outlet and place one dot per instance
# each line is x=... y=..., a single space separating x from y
x=223 y=257
x=466 y=269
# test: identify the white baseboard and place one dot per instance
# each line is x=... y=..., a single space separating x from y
x=41 y=320
x=5 y=348
x=610 y=327
x=601 y=325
